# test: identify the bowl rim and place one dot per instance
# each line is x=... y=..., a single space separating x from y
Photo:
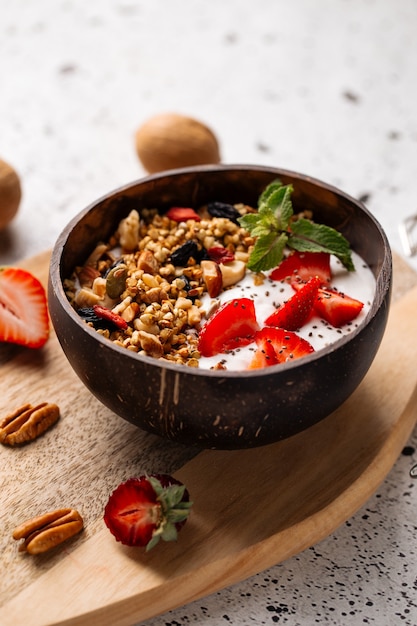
x=382 y=284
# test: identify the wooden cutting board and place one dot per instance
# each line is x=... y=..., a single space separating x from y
x=252 y=508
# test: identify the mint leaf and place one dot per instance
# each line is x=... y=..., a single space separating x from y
x=256 y=223
x=278 y=202
x=267 y=192
x=268 y=252
x=250 y=220
x=269 y=226
x=306 y=236
x=273 y=229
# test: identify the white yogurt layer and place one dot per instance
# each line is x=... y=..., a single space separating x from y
x=359 y=284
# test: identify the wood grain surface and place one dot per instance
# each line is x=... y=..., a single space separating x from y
x=252 y=508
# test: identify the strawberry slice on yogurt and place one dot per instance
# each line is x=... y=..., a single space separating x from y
x=233 y=325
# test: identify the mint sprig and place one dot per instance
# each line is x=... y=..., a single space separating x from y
x=274 y=229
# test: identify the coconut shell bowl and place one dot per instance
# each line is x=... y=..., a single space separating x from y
x=219 y=409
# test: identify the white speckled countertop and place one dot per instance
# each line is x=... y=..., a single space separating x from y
x=327 y=88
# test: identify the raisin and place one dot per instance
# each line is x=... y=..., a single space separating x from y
x=181 y=255
x=102 y=318
x=221 y=209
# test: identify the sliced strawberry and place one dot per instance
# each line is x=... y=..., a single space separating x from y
x=287 y=268
x=265 y=355
x=23 y=309
x=143 y=510
x=336 y=308
x=276 y=345
x=301 y=266
x=232 y=325
x=182 y=214
x=296 y=311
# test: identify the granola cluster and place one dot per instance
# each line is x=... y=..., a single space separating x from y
x=153 y=274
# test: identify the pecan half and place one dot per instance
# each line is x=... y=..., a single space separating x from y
x=27 y=423
x=46 y=531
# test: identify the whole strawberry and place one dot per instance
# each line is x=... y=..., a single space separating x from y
x=143 y=510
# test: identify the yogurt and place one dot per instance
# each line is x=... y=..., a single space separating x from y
x=359 y=284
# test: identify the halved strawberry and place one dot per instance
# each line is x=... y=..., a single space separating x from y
x=23 y=308
x=296 y=311
x=336 y=307
x=182 y=214
x=143 y=510
x=276 y=345
x=301 y=266
x=232 y=325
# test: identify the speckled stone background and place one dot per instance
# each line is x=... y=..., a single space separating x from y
x=327 y=88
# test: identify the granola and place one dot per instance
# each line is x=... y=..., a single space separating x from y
x=153 y=274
